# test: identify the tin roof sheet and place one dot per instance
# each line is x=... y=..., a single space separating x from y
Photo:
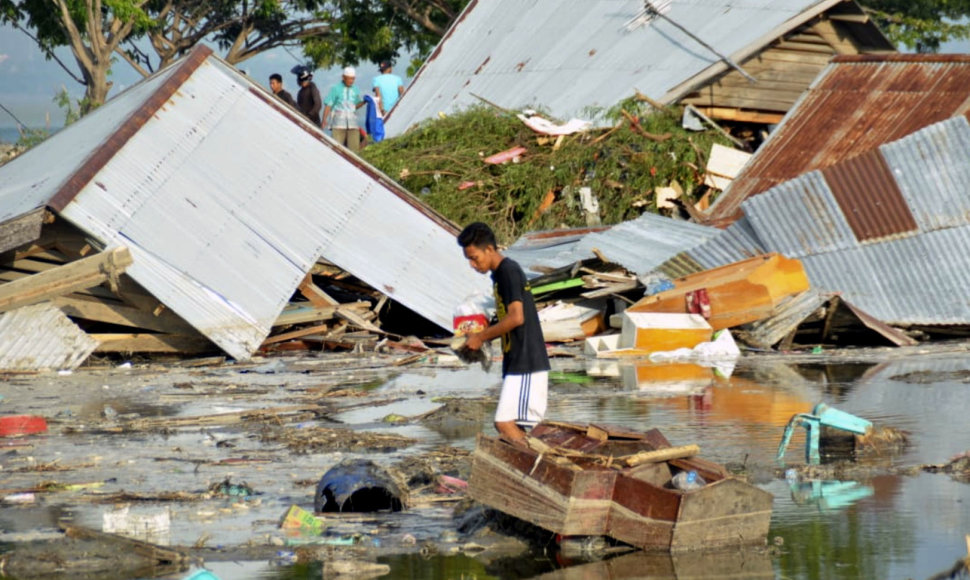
x=571 y=58
x=27 y=181
x=41 y=337
x=856 y=104
x=226 y=198
x=639 y=245
x=737 y=242
x=911 y=277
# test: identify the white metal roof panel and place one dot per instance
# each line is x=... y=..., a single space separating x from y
x=568 y=55
x=226 y=199
x=32 y=178
x=639 y=245
x=40 y=337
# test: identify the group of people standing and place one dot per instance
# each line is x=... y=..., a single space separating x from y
x=339 y=107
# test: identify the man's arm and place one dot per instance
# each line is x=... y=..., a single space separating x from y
x=326 y=115
x=317 y=101
x=513 y=319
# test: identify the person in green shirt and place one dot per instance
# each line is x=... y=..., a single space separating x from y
x=343 y=100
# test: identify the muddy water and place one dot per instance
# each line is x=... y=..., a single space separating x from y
x=889 y=522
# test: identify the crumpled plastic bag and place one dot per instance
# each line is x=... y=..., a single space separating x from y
x=719 y=354
x=469 y=356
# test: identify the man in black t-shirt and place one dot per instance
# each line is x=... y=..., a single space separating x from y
x=525 y=365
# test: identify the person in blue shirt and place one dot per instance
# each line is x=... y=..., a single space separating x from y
x=343 y=100
x=389 y=87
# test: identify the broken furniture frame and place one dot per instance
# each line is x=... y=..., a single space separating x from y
x=821 y=415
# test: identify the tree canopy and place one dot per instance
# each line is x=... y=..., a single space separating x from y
x=921 y=25
x=150 y=34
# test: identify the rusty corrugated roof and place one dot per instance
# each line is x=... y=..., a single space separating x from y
x=856 y=104
x=911 y=270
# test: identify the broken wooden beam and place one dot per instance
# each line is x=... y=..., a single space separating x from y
x=665 y=454
x=78 y=275
x=156 y=343
x=160 y=554
x=315 y=294
x=91 y=308
x=298 y=314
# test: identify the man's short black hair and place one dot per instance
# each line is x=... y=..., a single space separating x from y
x=276 y=77
x=477 y=234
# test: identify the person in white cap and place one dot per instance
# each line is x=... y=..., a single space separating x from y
x=343 y=100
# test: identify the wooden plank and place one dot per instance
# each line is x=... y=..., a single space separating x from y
x=159 y=554
x=357 y=320
x=806 y=47
x=298 y=313
x=659 y=455
x=835 y=36
x=156 y=343
x=133 y=293
x=732 y=114
x=90 y=308
x=315 y=294
x=34 y=265
x=770 y=95
x=84 y=273
x=296 y=334
x=795 y=57
x=21 y=230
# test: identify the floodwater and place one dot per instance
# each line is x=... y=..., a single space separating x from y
x=889 y=523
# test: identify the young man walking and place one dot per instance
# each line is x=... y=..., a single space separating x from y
x=525 y=365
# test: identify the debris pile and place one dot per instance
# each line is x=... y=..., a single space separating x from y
x=545 y=181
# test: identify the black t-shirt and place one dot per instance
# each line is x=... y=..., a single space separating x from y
x=523 y=349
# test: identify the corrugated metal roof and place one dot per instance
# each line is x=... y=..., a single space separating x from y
x=226 y=198
x=639 y=245
x=914 y=280
x=27 y=181
x=931 y=170
x=571 y=57
x=800 y=217
x=914 y=277
x=856 y=104
x=41 y=337
x=733 y=244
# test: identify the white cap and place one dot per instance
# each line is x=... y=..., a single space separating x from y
x=350 y=72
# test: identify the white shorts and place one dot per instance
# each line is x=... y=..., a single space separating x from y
x=523 y=399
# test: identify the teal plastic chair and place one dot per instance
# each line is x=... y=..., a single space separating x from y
x=821 y=415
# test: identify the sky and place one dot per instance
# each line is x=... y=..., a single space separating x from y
x=28 y=82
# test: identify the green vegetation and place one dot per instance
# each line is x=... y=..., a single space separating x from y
x=442 y=161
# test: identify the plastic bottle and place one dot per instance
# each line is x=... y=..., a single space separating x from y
x=688 y=481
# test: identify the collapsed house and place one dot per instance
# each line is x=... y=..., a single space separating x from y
x=189 y=210
x=857 y=104
x=887 y=229
x=746 y=63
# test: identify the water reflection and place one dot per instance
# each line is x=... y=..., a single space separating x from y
x=707 y=565
x=829 y=495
